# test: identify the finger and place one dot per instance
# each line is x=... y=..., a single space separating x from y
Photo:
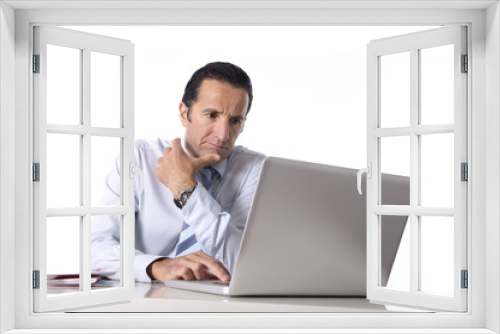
x=177 y=148
x=210 y=276
x=207 y=160
x=186 y=274
x=192 y=264
x=176 y=143
x=215 y=266
x=198 y=269
x=158 y=174
x=166 y=151
x=160 y=160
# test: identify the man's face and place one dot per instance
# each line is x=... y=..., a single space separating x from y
x=216 y=119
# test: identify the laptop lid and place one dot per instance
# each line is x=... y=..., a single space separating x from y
x=306 y=232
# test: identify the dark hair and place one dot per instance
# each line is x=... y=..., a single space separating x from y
x=223 y=72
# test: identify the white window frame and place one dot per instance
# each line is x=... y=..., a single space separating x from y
x=124 y=51
x=484 y=147
x=412 y=44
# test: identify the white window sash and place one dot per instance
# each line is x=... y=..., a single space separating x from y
x=44 y=36
x=413 y=43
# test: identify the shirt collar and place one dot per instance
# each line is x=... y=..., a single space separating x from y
x=220 y=166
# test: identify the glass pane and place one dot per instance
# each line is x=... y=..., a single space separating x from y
x=63 y=170
x=63 y=85
x=395 y=252
x=104 y=151
x=436 y=251
x=395 y=90
x=105 y=90
x=437 y=85
x=437 y=170
x=105 y=252
x=395 y=160
x=63 y=255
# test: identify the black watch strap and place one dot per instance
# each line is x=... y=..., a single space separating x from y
x=181 y=201
x=178 y=203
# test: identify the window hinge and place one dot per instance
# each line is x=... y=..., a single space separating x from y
x=36 y=172
x=36 y=279
x=465 y=279
x=36 y=63
x=464 y=171
x=465 y=64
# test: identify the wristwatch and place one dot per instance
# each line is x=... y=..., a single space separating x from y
x=183 y=197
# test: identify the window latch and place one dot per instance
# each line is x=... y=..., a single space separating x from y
x=132 y=170
x=368 y=172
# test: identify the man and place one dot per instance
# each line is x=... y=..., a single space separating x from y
x=197 y=191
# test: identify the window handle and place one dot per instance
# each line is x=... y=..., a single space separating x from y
x=134 y=170
x=368 y=172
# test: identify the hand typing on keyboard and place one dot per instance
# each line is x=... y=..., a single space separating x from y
x=195 y=266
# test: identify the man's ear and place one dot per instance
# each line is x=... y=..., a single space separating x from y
x=183 y=114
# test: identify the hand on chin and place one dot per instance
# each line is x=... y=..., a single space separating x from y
x=215 y=149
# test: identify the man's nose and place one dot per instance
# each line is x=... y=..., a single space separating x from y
x=222 y=130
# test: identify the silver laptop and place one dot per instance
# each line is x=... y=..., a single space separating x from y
x=306 y=234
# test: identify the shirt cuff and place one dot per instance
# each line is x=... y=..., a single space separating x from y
x=141 y=264
x=200 y=198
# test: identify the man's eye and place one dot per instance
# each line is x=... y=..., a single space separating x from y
x=236 y=121
x=212 y=115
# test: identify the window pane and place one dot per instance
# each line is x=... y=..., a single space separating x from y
x=395 y=90
x=105 y=251
x=395 y=252
x=63 y=254
x=437 y=85
x=437 y=260
x=63 y=170
x=437 y=170
x=63 y=85
x=105 y=90
x=104 y=151
x=395 y=160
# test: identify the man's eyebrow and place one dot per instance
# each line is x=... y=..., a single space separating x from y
x=210 y=110
x=213 y=110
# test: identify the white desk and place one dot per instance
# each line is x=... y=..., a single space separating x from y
x=156 y=298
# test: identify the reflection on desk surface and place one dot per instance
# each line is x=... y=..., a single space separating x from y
x=157 y=298
x=70 y=283
x=57 y=289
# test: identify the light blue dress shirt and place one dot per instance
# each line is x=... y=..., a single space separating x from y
x=218 y=219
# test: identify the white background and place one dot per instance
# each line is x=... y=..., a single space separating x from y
x=309 y=90
x=309 y=83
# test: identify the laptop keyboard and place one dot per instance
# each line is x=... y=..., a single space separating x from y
x=215 y=282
